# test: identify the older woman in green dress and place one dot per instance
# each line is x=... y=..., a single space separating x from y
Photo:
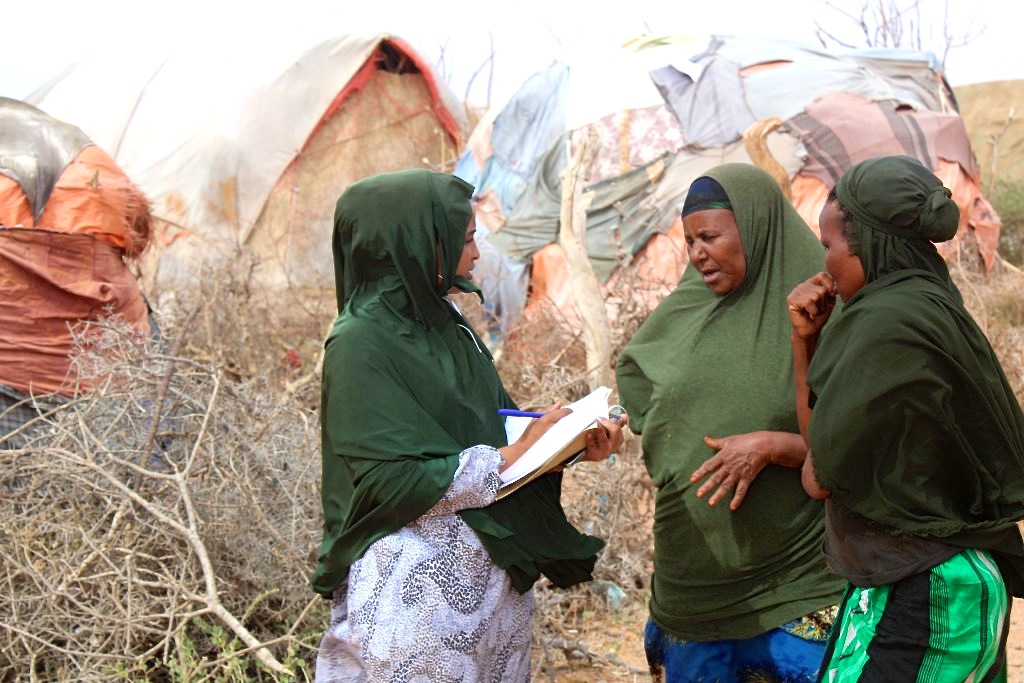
x=738 y=589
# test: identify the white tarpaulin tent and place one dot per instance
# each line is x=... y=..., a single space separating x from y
x=245 y=143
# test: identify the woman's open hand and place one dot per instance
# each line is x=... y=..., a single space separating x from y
x=810 y=305
x=740 y=458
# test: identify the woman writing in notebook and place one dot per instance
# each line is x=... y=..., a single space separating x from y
x=428 y=575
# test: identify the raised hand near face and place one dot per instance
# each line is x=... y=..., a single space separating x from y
x=810 y=304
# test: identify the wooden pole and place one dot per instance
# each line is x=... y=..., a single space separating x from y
x=572 y=229
x=755 y=140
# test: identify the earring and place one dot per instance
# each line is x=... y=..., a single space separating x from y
x=440 y=279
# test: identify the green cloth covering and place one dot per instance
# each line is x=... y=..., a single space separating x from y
x=899 y=207
x=407 y=386
x=708 y=365
x=915 y=426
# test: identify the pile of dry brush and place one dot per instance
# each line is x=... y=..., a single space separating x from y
x=161 y=527
x=164 y=526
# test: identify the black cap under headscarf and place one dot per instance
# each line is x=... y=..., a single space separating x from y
x=705 y=193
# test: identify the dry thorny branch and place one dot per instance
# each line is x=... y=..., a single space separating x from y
x=164 y=526
x=896 y=24
x=167 y=496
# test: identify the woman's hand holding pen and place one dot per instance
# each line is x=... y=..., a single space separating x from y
x=535 y=430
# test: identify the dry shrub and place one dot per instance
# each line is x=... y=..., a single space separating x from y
x=164 y=526
x=997 y=303
x=248 y=331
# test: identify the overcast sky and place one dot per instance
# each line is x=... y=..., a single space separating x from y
x=45 y=36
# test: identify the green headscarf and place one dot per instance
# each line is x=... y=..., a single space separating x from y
x=407 y=386
x=915 y=425
x=899 y=208
x=708 y=365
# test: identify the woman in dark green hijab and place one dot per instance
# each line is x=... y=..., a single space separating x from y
x=916 y=438
x=430 y=578
x=736 y=588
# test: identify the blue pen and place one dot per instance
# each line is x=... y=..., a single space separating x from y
x=508 y=412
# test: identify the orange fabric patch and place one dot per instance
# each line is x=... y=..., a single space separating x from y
x=52 y=281
x=94 y=197
x=14 y=206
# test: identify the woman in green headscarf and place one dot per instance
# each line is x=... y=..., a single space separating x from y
x=916 y=438
x=708 y=383
x=430 y=577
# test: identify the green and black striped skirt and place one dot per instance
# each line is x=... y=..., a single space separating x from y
x=946 y=624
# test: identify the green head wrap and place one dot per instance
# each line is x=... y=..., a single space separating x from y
x=408 y=385
x=899 y=208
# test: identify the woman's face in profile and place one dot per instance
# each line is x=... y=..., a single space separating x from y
x=470 y=251
x=714 y=246
x=841 y=263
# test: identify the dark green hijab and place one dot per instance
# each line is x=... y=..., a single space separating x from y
x=915 y=425
x=898 y=209
x=708 y=365
x=407 y=386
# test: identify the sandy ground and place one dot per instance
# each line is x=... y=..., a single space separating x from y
x=1015 y=643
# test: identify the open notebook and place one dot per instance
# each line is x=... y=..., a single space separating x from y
x=564 y=441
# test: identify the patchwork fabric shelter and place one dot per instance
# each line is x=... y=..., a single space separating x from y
x=69 y=218
x=244 y=144
x=664 y=111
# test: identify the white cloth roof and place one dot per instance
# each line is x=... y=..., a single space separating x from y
x=208 y=129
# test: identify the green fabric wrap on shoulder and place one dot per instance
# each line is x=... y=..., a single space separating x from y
x=915 y=426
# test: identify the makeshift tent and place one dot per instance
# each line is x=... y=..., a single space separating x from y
x=245 y=143
x=665 y=111
x=68 y=218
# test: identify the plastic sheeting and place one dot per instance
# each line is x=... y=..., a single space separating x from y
x=53 y=177
x=840 y=106
x=840 y=129
x=781 y=78
x=68 y=216
x=35 y=149
x=52 y=282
